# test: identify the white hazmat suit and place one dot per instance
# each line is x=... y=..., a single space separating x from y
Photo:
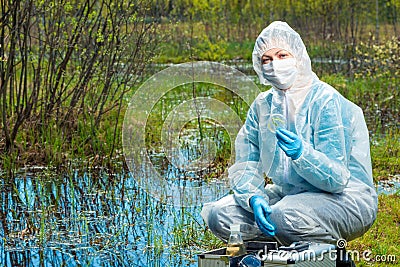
x=324 y=195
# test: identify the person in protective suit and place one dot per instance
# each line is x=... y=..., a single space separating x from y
x=310 y=141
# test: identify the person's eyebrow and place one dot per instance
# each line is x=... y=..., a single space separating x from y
x=276 y=53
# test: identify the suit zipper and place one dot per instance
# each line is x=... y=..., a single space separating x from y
x=286 y=158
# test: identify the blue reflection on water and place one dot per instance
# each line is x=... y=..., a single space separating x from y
x=92 y=220
x=390 y=186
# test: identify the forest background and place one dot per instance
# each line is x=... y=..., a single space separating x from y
x=67 y=66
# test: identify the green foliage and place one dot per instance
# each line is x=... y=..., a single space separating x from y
x=211 y=51
x=64 y=63
x=385 y=153
x=331 y=29
x=378 y=60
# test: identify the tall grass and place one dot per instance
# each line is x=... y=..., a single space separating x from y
x=91 y=219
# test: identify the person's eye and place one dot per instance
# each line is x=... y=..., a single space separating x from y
x=265 y=60
x=283 y=56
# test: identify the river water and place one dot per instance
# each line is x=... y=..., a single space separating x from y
x=92 y=220
x=101 y=219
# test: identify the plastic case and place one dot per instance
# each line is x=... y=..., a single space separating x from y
x=312 y=255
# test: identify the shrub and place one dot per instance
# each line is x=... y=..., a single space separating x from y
x=377 y=60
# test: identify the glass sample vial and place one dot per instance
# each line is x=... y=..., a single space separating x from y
x=235 y=243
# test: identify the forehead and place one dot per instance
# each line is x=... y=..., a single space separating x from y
x=273 y=51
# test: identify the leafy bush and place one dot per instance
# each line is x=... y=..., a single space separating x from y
x=377 y=60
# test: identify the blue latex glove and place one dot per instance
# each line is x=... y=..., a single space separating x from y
x=290 y=143
x=262 y=210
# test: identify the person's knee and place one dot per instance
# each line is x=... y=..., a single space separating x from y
x=219 y=215
x=284 y=228
x=217 y=222
x=293 y=225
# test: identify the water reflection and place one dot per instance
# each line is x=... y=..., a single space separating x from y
x=98 y=219
x=91 y=220
x=389 y=186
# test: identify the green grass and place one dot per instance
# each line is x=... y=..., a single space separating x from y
x=385 y=153
x=203 y=49
x=383 y=239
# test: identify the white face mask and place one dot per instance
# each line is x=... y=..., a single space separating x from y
x=281 y=74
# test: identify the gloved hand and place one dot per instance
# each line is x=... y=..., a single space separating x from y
x=290 y=143
x=262 y=211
